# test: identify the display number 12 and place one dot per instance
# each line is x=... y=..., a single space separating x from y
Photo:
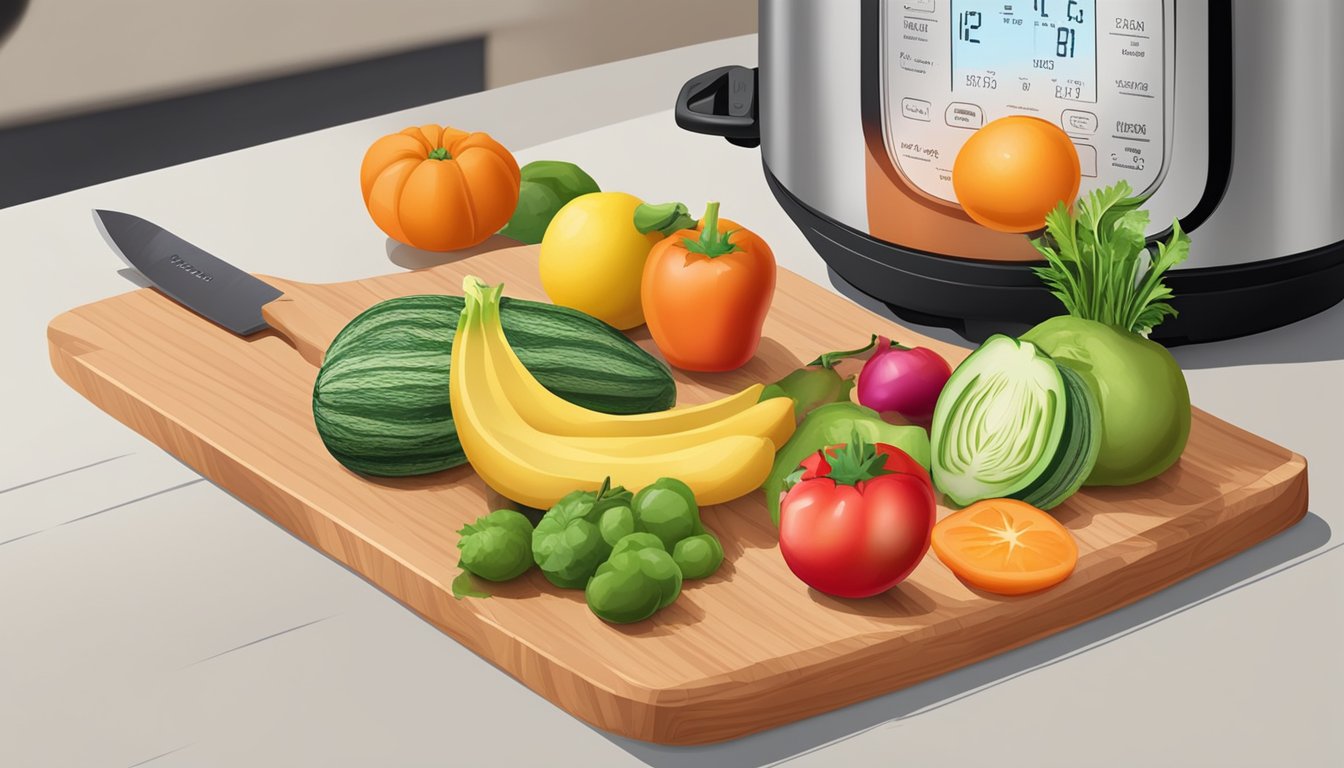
x=968 y=22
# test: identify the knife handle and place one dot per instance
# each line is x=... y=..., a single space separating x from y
x=310 y=315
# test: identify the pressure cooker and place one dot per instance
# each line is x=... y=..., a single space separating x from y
x=1227 y=115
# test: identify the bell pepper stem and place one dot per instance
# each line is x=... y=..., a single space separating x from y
x=712 y=243
x=711 y=230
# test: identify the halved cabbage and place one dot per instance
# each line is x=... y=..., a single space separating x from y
x=1010 y=423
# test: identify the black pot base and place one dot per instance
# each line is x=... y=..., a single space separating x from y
x=976 y=299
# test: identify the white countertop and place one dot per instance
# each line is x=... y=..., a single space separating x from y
x=147 y=617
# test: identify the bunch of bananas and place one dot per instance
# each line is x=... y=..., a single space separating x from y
x=534 y=447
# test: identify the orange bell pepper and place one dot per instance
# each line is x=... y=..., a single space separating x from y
x=706 y=292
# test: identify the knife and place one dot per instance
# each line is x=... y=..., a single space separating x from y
x=208 y=286
x=306 y=315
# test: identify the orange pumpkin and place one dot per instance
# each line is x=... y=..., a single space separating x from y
x=439 y=189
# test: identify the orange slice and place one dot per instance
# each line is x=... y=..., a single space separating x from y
x=1005 y=546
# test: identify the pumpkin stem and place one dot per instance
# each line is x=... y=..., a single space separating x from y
x=440 y=154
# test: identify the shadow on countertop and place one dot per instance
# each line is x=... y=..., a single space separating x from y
x=1313 y=339
x=133 y=276
x=1262 y=561
x=409 y=257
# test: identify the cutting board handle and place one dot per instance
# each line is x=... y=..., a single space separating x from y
x=311 y=315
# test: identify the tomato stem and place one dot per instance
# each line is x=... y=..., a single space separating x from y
x=711 y=242
x=856 y=461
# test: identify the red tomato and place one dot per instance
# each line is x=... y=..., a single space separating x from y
x=849 y=531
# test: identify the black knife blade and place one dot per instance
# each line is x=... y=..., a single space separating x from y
x=208 y=286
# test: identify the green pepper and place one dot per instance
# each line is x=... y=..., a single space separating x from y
x=545 y=188
x=835 y=424
x=816 y=384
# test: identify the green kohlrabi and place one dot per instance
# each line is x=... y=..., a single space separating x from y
x=1101 y=270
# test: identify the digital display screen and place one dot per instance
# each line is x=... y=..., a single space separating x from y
x=1027 y=47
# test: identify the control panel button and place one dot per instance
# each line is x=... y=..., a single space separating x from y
x=917 y=29
x=1087 y=159
x=1129 y=159
x=916 y=109
x=1131 y=130
x=917 y=63
x=962 y=115
x=1134 y=49
x=1128 y=86
x=1078 y=121
x=919 y=6
x=1132 y=35
x=1132 y=25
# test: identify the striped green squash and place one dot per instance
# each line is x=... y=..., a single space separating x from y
x=381 y=399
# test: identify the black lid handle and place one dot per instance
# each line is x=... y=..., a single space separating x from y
x=721 y=102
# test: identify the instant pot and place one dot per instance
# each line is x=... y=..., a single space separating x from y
x=1226 y=115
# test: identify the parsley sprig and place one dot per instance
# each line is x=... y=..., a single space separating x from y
x=1099 y=265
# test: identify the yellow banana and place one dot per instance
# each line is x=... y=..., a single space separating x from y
x=551 y=413
x=772 y=420
x=536 y=468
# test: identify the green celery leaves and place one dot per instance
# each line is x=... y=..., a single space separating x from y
x=1098 y=264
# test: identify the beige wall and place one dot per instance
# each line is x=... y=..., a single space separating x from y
x=72 y=56
x=598 y=31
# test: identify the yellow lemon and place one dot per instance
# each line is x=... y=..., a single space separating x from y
x=592 y=257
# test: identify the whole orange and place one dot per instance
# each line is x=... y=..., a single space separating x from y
x=1014 y=171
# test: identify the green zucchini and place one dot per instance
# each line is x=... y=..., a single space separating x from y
x=381 y=404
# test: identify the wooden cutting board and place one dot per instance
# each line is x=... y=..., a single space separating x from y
x=747 y=649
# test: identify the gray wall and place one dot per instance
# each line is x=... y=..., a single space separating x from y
x=75 y=56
